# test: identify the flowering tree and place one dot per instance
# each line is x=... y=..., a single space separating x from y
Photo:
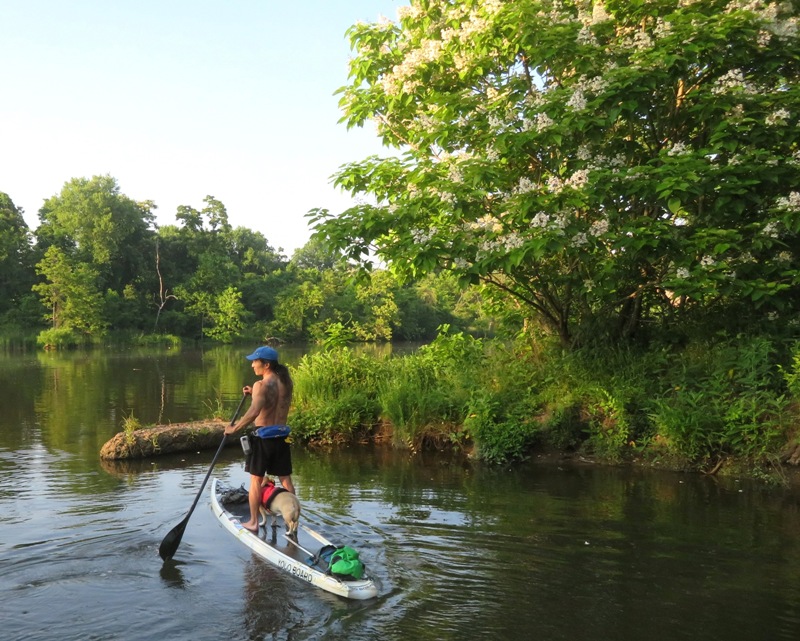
x=609 y=164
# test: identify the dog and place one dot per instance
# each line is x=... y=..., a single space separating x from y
x=276 y=500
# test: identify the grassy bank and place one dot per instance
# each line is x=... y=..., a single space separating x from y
x=706 y=406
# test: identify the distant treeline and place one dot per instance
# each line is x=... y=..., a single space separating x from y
x=98 y=264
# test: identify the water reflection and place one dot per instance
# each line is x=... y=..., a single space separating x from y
x=459 y=551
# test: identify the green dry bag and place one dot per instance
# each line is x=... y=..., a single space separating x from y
x=345 y=564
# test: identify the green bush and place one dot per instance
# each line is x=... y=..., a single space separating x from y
x=58 y=338
x=502 y=430
x=419 y=396
x=335 y=392
x=723 y=399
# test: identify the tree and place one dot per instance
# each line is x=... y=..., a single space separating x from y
x=227 y=316
x=609 y=165
x=103 y=241
x=70 y=293
x=16 y=268
x=163 y=295
x=94 y=225
x=379 y=314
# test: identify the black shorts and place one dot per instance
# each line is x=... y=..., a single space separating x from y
x=268 y=456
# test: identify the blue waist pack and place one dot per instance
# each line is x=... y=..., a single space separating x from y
x=273 y=431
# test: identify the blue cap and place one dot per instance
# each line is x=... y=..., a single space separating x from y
x=264 y=353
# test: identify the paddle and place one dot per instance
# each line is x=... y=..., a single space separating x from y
x=171 y=542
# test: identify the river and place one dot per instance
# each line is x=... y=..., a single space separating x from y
x=542 y=550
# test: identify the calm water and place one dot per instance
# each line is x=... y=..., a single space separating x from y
x=460 y=551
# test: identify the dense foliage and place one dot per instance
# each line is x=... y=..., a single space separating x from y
x=97 y=265
x=614 y=165
x=688 y=409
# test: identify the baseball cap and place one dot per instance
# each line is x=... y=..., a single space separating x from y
x=264 y=353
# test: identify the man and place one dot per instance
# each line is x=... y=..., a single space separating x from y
x=269 y=409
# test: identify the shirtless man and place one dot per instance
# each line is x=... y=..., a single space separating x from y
x=271 y=398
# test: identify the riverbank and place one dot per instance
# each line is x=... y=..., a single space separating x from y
x=159 y=440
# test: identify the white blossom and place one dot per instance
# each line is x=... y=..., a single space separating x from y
x=732 y=80
x=663 y=28
x=422 y=236
x=578 y=101
x=488 y=223
x=642 y=40
x=495 y=122
x=540 y=220
x=524 y=186
x=401 y=74
x=513 y=241
x=679 y=149
x=777 y=117
x=408 y=12
x=789 y=203
x=554 y=184
x=599 y=227
x=543 y=121
x=682 y=273
x=560 y=220
x=599 y=13
x=580 y=239
x=736 y=113
x=586 y=36
x=579 y=179
x=770 y=229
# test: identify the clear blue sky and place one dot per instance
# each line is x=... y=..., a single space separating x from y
x=178 y=99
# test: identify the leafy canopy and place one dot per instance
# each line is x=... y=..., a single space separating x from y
x=609 y=164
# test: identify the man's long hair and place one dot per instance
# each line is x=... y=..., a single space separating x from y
x=281 y=371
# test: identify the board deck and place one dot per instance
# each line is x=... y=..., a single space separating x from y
x=297 y=558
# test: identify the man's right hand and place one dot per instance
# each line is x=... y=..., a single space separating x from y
x=247 y=390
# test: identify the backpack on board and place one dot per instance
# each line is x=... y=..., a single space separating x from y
x=343 y=562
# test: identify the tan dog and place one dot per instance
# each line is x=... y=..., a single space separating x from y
x=276 y=500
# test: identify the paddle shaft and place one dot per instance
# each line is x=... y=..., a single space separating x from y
x=171 y=542
x=293 y=542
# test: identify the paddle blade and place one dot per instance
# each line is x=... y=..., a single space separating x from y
x=171 y=542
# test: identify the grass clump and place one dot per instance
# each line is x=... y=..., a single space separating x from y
x=335 y=394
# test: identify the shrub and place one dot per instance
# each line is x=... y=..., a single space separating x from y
x=58 y=338
x=723 y=399
x=335 y=391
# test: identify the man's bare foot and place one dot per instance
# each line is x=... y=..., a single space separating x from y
x=250 y=527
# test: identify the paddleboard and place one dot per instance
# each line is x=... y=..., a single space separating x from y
x=297 y=558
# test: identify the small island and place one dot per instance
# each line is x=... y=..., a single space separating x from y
x=164 y=439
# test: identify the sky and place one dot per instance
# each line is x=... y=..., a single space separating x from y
x=179 y=99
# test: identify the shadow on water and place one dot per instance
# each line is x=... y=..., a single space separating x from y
x=171 y=574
